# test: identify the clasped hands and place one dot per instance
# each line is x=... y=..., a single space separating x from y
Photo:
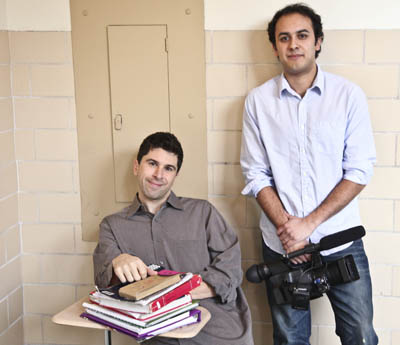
x=294 y=234
x=129 y=268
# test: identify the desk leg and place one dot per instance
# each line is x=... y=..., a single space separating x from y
x=107 y=337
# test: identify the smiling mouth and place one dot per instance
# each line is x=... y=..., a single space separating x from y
x=154 y=184
x=296 y=56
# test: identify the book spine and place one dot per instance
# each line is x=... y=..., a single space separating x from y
x=123 y=312
x=174 y=294
x=123 y=305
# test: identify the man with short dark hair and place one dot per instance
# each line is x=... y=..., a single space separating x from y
x=180 y=234
x=307 y=152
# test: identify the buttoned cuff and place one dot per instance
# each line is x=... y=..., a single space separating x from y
x=223 y=289
x=103 y=276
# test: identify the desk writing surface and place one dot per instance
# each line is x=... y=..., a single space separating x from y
x=70 y=316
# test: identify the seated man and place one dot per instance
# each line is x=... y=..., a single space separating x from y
x=181 y=234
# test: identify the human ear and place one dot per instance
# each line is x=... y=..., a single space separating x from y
x=318 y=44
x=135 y=167
x=275 y=50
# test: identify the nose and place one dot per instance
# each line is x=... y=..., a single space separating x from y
x=293 y=43
x=158 y=172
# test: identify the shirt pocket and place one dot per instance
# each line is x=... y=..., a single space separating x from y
x=327 y=137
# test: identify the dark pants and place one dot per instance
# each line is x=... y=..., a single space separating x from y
x=351 y=303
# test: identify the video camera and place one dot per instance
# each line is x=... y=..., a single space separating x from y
x=298 y=284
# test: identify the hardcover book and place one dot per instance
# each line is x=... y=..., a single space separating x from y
x=148 y=286
x=184 y=319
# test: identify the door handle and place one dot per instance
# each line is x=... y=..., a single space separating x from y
x=118 y=122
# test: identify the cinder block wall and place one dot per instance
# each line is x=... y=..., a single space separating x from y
x=237 y=61
x=56 y=266
x=10 y=244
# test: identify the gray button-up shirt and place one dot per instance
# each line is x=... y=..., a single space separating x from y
x=186 y=235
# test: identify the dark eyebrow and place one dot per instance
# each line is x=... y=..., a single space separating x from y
x=301 y=31
x=158 y=163
x=297 y=32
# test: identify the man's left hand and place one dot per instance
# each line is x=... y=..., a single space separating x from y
x=202 y=291
x=293 y=231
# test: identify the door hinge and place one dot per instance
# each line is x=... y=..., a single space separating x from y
x=166 y=44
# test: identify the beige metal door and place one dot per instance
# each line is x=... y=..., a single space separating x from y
x=138 y=65
x=127 y=86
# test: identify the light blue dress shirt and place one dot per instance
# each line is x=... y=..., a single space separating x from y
x=305 y=146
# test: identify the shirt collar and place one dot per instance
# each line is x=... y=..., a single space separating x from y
x=174 y=201
x=317 y=86
x=137 y=206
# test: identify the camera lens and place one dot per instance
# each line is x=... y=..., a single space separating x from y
x=342 y=271
x=253 y=275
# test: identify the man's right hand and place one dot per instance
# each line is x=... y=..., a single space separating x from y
x=302 y=258
x=130 y=268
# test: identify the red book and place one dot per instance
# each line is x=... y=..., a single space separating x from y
x=179 y=291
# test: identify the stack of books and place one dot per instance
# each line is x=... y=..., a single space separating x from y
x=145 y=308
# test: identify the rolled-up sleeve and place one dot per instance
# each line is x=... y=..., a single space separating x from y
x=107 y=249
x=224 y=273
x=359 y=151
x=253 y=156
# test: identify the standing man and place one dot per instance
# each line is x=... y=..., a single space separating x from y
x=180 y=234
x=307 y=152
